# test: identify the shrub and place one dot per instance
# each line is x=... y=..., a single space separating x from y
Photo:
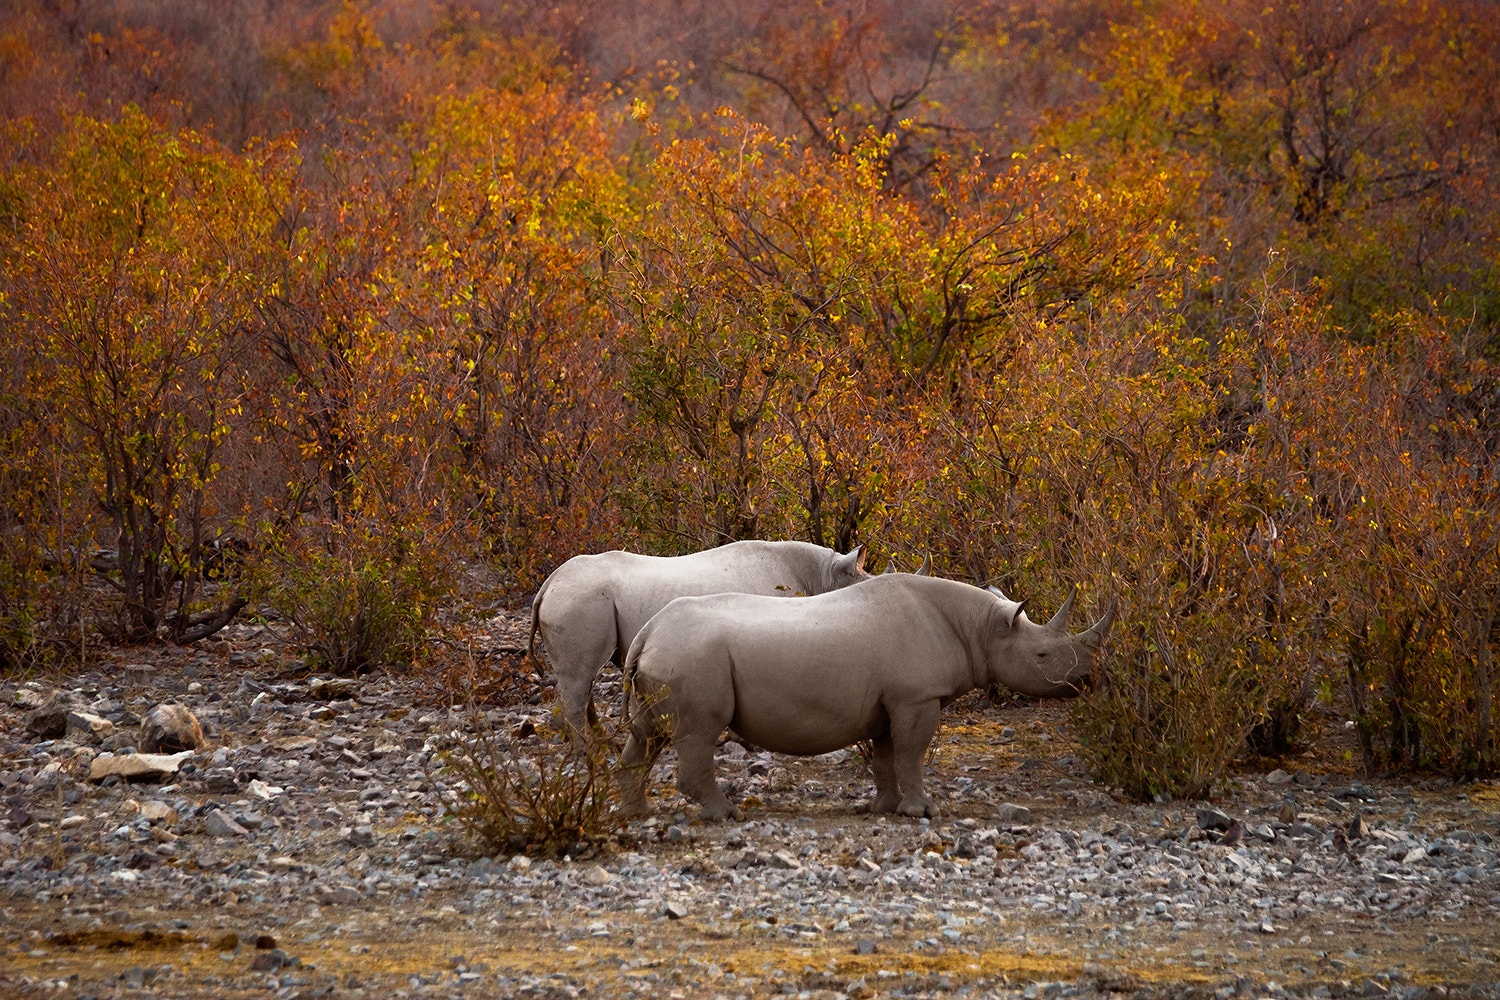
x=519 y=793
x=360 y=594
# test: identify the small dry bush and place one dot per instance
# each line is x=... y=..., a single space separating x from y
x=360 y=594
x=527 y=794
x=34 y=636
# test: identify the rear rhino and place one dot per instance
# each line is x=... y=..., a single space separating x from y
x=591 y=606
x=873 y=662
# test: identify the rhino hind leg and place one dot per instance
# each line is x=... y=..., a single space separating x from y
x=575 y=667
x=912 y=730
x=636 y=761
x=695 y=776
x=700 y=712
x=887 y=791
x=646 y=740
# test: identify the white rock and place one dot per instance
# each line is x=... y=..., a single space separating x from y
x=144 y=766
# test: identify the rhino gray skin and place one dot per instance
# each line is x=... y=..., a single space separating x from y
x=591 y=606
x=873 y=662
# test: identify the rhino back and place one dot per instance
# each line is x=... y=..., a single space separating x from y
x=637 y=586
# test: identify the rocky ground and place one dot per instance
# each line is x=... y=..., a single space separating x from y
x=304 y=852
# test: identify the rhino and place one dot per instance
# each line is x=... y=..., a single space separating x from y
x=876 y=662
x=591 y=606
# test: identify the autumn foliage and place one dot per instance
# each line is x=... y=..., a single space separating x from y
x=1196 y=304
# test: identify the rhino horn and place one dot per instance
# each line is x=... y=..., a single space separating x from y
x=1097 y=632
x=1059 y=621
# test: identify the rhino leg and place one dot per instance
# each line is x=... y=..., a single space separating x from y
x=636 y=762
x=695 y=777
x=912 y=730
x=701 y=715
x=575 y=689
x=648 y=738
x=887 y=790
x=576 y=661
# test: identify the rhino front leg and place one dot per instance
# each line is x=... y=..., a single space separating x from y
x=912 y=730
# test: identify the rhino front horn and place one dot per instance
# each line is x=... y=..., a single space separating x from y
x=1059 y=621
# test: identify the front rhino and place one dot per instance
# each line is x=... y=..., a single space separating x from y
x=588 y=610
x=874 y=662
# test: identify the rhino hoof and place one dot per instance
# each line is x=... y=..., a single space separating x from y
x=717 y=812
x=917 y=809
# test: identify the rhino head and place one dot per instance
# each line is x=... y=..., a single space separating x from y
x=1045 y=661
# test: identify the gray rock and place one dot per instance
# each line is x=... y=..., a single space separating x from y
x=30 y=695
x=84 y=727
x=336 y=895
x=49 y=721
x=270 y=961
x=139 y=674
x=1214 y=819
x=158 y=812
x=1014 y=814
x=221 y=824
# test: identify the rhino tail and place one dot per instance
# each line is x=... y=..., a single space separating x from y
x=627 y=670
x=536 y=617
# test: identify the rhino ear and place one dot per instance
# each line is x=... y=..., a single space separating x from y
x=997 y=592
x=852 y=561
x=1015 y=615
x=926 y=568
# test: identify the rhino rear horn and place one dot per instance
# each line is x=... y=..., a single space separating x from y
x=1059 y=621
x=1100 y=629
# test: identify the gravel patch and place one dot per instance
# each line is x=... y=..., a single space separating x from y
x=303 y=852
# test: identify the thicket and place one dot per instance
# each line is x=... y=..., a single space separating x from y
x=1193 y=303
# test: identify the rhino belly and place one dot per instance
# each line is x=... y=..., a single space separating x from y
x=790 y=727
